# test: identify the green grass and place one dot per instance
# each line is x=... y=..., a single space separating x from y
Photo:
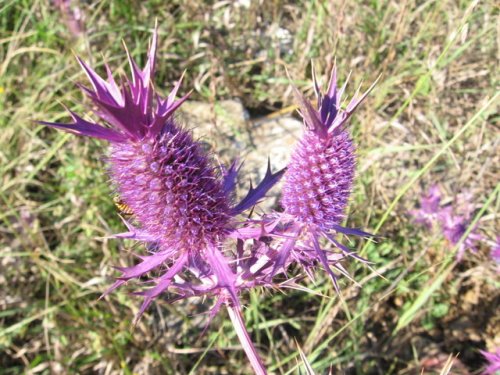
x=431 y=119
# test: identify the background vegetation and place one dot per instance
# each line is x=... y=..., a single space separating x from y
x=430 y=120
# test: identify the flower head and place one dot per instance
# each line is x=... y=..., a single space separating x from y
x=429 y=209
x=318 y=182
x=160 y=172
x=182 y=204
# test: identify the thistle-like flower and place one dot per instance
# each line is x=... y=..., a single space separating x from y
x=452 y=219
x=430 y=209
x=182 y=203
x=318 y=183
x=454 y=227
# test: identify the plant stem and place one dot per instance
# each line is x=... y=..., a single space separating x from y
x=246 y=342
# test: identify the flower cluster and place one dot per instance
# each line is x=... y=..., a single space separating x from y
x=453 y=220
x=197 y=241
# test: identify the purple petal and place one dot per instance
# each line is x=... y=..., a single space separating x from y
x=173 y=93
x=136 y=235
x=115 y=285
x=254 y=230
x=324 y=261
x=255 y=195
x=493 y=359
x=166 y=108
x=430 y=202
x=342 y=89
x=310 y=116
x=225 y=276
x=344 y=249
x=340 y=121
x=106 y=91
x=229 y=178
x=147 y=264
x=162 y=284
x=351 y=231
x=128 y=117
x=329 y=107
x=317 y=90
x=285 y=250
x=86 y=128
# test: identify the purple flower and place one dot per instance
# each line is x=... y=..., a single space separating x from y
x=71 y=15
x=495 y=251
x=454 y=227
x=429 y=209
x=453 y=220
x=318 y=183
x=493 y=360
x=182 y=203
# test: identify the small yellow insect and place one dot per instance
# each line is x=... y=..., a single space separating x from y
x=122 y=206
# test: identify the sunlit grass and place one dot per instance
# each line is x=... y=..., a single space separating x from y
x=429 y=120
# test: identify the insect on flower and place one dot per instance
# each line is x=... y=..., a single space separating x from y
x=122 y=207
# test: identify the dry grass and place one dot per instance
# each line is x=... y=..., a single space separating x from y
x=430 y=120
